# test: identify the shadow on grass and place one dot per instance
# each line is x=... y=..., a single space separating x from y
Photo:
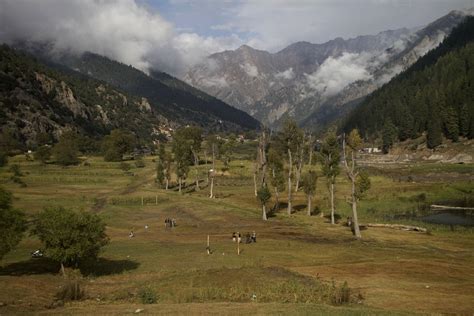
x=30 y=267
x=300 y=207
x=103 y=266
x=100 y=267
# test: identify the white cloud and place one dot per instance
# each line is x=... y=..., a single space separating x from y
x=336 y=73
x=274 y=24
x=219 y=82
x=250 y=70
x=287 y=74
x=122 y=30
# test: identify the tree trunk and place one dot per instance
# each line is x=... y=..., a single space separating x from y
x=213 y=172
x=298 y=174
x=263 y=158
x=332 y=203
x=290 y=162
x=355 y=220
x=63 y=271
x=309 y=205
x=179 y=184
x=255 y=182
x=211 y=194
x=264 y=212
x=167 y=181
x=196 y=165
x=277 y=201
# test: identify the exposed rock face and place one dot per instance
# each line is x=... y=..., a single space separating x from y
x=36 y=100
x=315 y=82
x=63 y=95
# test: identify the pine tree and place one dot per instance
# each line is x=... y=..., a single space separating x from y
x=434 y=135
x=389 y=136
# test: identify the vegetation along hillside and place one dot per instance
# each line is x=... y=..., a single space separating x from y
x=435 y=96
x=38 y=102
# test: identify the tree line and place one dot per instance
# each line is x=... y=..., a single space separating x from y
x=434 y=97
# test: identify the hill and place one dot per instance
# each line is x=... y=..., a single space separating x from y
x=35 y=99
x=434 y=96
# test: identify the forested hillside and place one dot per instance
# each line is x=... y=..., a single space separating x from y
x=169 y=96
x=435 y=95
x=36 y=101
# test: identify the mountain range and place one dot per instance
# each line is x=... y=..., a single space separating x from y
x=315 y=83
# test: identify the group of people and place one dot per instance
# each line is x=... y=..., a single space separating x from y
x=170 y=222
x=249 y=238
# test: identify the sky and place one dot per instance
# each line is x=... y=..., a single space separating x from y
x=173 y=35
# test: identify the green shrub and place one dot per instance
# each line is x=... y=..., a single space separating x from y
x=70 y=291
x=15 y=169
x=147 y=295
x=139 y=163
x=125 y=166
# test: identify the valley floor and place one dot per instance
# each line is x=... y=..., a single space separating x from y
x=296 y=258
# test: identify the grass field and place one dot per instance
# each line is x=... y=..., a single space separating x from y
x=298 y=265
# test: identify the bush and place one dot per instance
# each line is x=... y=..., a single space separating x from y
x=42 y=154
x=147 y=295
x=139 y=163
x=15 y=169
x=341 y=295
x=70 y=291
x=125 y=166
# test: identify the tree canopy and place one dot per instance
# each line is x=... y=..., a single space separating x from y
x=12 y=223
x=70 y=237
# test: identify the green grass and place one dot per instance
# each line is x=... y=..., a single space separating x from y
x=291 y=268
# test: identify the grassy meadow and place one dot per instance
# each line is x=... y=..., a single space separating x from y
x=298 y=266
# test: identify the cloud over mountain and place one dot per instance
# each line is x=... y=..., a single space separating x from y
x=122 y=30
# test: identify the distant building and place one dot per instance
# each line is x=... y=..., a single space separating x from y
x=371 y=150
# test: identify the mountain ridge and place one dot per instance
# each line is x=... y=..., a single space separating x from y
x=293 y=81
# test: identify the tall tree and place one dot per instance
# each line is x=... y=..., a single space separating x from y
x=434 y=136
x=212 y=144
x=167 y=163
x=66 y=150
x=300 y=156
x=12 y=223
x=160 y=164
x=277 y=177
x=117 y=144
x=186 y=144
x=389 y=136
x=290 y=139
x=354 y=143
x=264 y=195
x=309 y=185
x=329 y=158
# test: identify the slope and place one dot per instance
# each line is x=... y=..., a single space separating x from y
x=35 y=99
x=435 y=95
